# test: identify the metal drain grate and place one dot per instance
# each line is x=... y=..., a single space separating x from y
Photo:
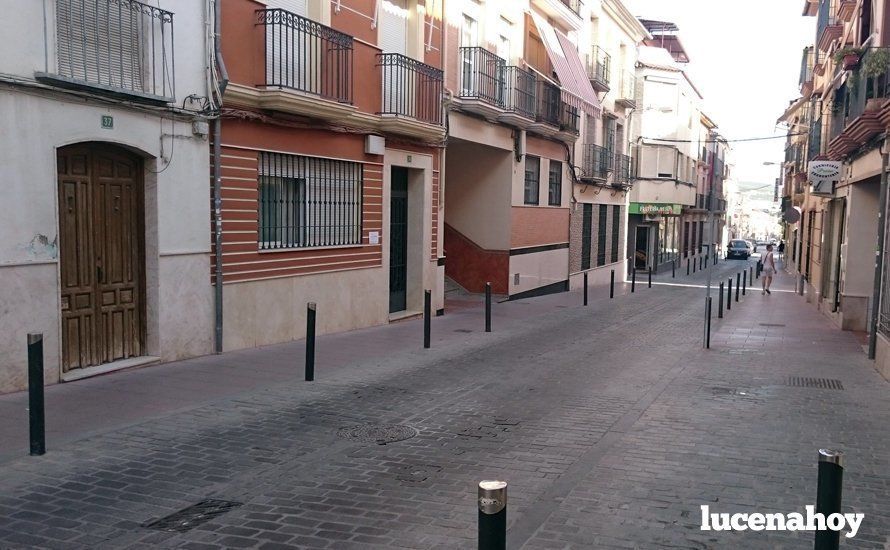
x=189 y=518
x=821 y=383
x=380 y=435
x=772 y=324
x=466 y=330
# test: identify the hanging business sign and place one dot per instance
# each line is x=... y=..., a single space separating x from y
x=791 y=214
x=655 y=209
x=824 y=175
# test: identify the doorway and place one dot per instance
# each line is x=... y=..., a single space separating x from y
x=641 y=255
x=398 y=240
x=101 y=254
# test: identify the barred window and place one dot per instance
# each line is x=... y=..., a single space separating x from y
x=555 y=189
x=307 y=201
x=601 y=236
x=532 y=179
x=616 y=228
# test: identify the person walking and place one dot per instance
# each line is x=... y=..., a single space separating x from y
x=769 y=269
x=781 y=248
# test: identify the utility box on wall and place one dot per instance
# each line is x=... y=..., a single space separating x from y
x=375 y=145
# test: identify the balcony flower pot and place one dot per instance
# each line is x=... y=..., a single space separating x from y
x=873 y=104
x=851 y=61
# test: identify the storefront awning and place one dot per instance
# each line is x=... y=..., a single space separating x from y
x=576 y=87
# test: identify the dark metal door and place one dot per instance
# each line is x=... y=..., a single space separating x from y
x=101 y=255
x=641 y=256
x=398 y=241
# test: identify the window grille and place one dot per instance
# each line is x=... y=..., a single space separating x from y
x=308 y=202
x=601 y=235
x=616 y=229
x=555 y=181
x=532 y=179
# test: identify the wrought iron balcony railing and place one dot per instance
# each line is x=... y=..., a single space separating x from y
x=623 y=171
x=596 y=162
x=600 y=68
x=627 y=92
x=808 y=59
x=482 y=76
x=410 y=88
x=118 y=46
x=574 y=5
x=549 y=109
x=520 y=91
x=827 y=23
x=306 y=56
x=570 y=120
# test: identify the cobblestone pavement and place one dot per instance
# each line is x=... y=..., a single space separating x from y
x=610 y=423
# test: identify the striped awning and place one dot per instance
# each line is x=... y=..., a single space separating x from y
x=576 y=88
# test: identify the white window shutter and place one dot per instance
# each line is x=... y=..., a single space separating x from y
x=392 y=28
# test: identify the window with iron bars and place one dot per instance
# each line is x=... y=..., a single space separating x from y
x=616 y=229
x=555 y=181
x=532 y=179
x=601 y=235
x=308 y=202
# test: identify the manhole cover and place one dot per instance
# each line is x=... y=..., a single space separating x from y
x=719 y=390
x=821 y=383
x=380 y=435
x=189 y=518
x=772 y=324
x=463 y=330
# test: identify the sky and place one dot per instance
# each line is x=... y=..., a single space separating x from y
x=745 y=60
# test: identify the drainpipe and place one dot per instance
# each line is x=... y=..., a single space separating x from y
x=217 y=184
x=879 y=255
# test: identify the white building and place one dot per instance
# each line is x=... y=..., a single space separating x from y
x=104 y=234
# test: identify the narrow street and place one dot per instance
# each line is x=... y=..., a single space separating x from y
x=610 y=423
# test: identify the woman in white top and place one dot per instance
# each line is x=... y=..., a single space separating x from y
x=768 y=270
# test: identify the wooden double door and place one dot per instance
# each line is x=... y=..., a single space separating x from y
x=101 y=254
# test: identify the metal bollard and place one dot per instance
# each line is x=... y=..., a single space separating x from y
x=36 y=417
x=687 y=266
x=492 y=501
x=707 y=260
x=708 y=325
x=828 y=495
x=612 y=284
x=744 y=282
x=673 y=269
x=427 y=307
x=650 y=277
x=585 y=288
x=310 y=341
x=751 y=274
x=693 y=266
x=487 y=307
x=633 y=280
x=802 y=284
x=720 y=303
x=716 y=255
x=729 y=295
x=738 y=284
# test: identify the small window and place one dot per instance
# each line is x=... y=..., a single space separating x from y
x=555 y=190
x=532 y=179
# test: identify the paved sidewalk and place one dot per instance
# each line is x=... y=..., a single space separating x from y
x=611 y=424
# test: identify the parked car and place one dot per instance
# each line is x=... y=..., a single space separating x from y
x=758 y=244
x=738 y=248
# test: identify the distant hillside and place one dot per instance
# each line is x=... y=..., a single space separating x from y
x=756 y=190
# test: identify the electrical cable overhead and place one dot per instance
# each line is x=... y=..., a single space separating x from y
x=666 y=140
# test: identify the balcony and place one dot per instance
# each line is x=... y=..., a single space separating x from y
x=574 y=5
x=599 y=70
x=627 y=91
x=412 y=93
x=519 y=97
x=548 y=108
x=829 y=26
x=623 y=173
x=866 y=112
x=306 y=56
x=118 y=48
x=483 y=82
x=570 y=120
x=807 y=64
x=596 y=163
x=846 y=9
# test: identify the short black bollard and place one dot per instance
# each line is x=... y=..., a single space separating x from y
x=751 y=274
x=720 y=303
x=707 y=260
x=828 y=495
x=310 y=341
x=585 y=288
x=673 y=269
x=650 y=277
x=427 y=307
x=492 y=501
x=693 y=266
x=729 y=295
x=744 y=282
x=687 y=266
x=487 y=307
x=738 y=285
x=612 y=284
x=708 y=326
x=36 y=418
x=633 y=280
x=716 y=255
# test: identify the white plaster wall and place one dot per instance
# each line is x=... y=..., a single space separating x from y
x=186 y=314
x=860 y=236
x=257 y=313
x=28 y=303
x=538 y=269
x=662 y=191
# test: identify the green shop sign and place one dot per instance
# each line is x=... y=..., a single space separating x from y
x=654 y=208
